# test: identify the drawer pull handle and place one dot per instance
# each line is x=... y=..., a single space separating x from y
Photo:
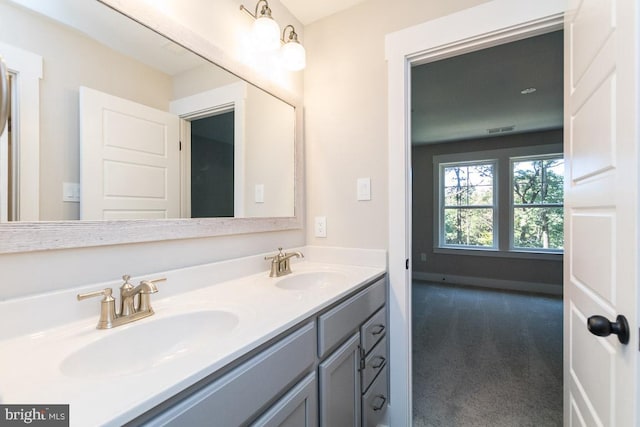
x=378 y=331
x=382 y=400
x=380 y=363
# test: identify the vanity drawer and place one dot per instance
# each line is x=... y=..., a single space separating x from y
x=239 y=395
x=335 y=325
x=374 y=401
x=374 y=363
x=372 y=331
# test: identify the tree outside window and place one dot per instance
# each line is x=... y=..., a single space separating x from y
x=468 y=208
x=537 y=197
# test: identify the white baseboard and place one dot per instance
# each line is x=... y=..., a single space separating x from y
x=512 y=285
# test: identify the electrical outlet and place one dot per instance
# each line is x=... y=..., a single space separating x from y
x=423 y=257
x=321 y=226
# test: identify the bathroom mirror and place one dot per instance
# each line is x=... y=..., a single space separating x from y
x=105 y=87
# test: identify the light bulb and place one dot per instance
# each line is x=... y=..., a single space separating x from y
x=294 y=56
x=266 y=34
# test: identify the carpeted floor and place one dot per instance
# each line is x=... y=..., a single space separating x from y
x=486 y=358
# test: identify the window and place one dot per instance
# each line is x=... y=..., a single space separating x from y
x=468 y=204
x=506 y=201
x=537 y=202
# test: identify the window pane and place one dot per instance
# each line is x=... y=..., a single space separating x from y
x=468 y=227
x=538 y=228
x=468 y=185
x=538 y=181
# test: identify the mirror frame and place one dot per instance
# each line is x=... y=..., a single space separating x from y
x=50 y=235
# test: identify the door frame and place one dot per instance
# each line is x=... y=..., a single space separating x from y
x=27 y=70
x=230 y=97
x=486 y=25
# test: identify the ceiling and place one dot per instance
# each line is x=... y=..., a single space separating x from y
x=308 y=11
x=464 y=96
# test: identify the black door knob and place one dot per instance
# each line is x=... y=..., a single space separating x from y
x=600 y=326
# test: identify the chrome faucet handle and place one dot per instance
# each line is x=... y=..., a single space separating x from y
x=147 y=287
x=126 y=302
x=106 y=292
x=107 y=307
x=275 y=257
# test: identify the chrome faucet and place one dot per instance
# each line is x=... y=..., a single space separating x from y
x=128 y=294
x=129 y=310
x=280 y=264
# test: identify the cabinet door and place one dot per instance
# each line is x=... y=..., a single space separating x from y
x=298 y=408
x=340 y=386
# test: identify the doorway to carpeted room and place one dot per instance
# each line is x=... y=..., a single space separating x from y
x=485 y=357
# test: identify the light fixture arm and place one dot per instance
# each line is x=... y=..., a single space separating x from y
x=293 y=36
x=265 y=11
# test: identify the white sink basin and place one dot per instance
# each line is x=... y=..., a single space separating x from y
x=312 y=280
x=148 y=343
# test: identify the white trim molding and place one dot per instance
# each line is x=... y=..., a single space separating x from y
x=27 y=67
x=231 y=97
x=489 y=24
x=483 y=282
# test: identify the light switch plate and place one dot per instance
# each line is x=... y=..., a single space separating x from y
x=364 y=188
x=70 y=192
x=321 y=226
x=259 y=193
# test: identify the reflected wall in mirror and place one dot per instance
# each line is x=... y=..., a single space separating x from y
x=131 y=125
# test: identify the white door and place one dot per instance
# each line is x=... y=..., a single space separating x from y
x=129 y=159
x=601 y=227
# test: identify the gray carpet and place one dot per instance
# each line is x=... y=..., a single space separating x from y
x=486 y=358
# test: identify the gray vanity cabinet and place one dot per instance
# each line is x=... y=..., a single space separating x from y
x=239 y=396
x=330 y=370
x=375 y=400
x=353 y=353
x=298 y=408
x=340 y=386
x=375 y=373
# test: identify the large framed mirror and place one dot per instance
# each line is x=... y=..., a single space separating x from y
x=120 y=134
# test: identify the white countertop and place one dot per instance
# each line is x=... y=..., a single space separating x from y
x=30 y=363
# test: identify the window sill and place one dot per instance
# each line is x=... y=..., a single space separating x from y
x=495 y=253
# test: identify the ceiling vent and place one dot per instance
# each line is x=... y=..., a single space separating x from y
x=500 y=130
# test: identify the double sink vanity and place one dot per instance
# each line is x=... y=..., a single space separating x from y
x=226 y=342
x=230 y=343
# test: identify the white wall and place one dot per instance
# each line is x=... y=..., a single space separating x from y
x=269 y=155
x=33 y=272
x=345 y=92
x=345 y=138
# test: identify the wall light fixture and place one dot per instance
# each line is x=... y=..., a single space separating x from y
x=293 y=53
x=265 y=31
x=266 y=37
